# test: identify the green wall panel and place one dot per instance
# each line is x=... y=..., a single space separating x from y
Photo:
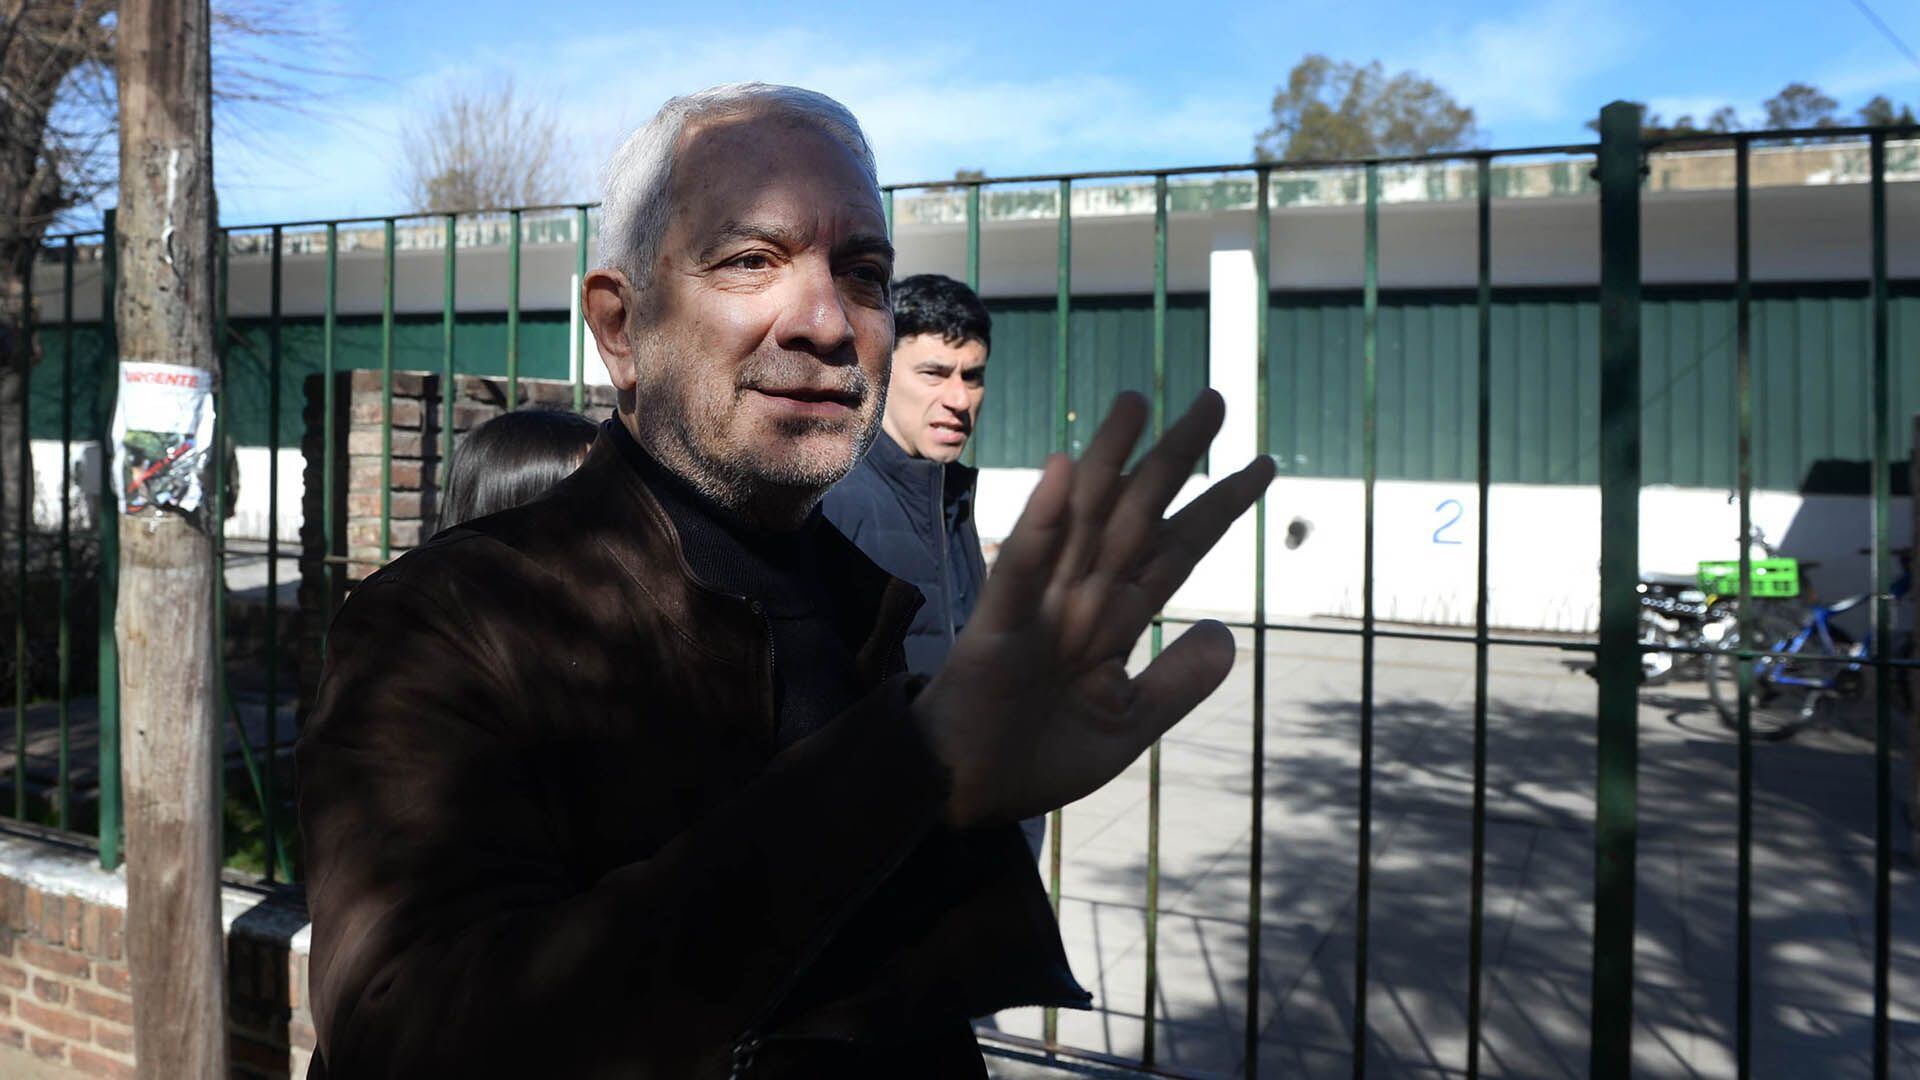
x=480 y=347
x=1811 y=387
x=1810 y=358
x=1110 y=349
x=90 y=413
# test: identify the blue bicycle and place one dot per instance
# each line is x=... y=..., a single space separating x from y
x=1821 y=664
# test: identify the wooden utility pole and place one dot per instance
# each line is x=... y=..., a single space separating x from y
x=164 y=305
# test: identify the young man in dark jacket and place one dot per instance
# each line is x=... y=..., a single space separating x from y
x=908 y=505
x=628 y=781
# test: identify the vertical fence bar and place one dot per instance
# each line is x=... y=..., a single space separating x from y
x=1618 y=662
x=1882 y=624
x=217 y=509
x=268 y=789
x=1062 y=315
x=1369 y=335
x=1743 y=394
x=973 y=236
x=580 y=322
x=1050 y=1024
x=1158 y=420
x=513 y=310
x=107 y=521
x=1257 y=836
x=221 y=435
x=386 y=391
x=65 y=818
x=1148 y=1046
x=448 y=378
x=329 y=322
x=23 y=520
x=217 y=589
x=969 y=454
x=886 y=203
x=1483 y=483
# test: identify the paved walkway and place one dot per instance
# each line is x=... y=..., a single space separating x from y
x=1813 y=909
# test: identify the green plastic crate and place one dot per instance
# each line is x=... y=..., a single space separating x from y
x=1773 y=578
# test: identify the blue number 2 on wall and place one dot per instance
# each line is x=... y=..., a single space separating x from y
x=1439 y=534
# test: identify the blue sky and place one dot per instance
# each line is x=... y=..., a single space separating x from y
x=1029 y=87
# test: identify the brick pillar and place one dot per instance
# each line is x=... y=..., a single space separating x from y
x=415 y=475
x=413 y=468
x=317 y=600
x=359 y=418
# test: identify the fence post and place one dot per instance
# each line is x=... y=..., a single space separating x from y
x=1913 y=675
x=1615 y=809
x=106 y=517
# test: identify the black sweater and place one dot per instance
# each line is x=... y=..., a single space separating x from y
x=814 y=674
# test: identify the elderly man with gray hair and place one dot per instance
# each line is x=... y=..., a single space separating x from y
x=630 y=781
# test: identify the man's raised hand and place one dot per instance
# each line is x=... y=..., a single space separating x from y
x=1034 y=707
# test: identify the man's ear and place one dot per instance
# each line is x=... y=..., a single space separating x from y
x=605 y=298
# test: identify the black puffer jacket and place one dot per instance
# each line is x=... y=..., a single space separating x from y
x=914 y=518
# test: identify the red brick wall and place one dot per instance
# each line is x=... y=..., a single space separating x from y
x=65 y=992
x=63 y=981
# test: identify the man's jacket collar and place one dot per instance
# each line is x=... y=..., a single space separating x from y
x=917 y=479
x=870 y=606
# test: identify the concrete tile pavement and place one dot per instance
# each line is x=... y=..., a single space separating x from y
x=1812 y=884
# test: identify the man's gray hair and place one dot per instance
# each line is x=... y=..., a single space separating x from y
x=638 y=183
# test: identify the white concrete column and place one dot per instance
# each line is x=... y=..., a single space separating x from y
x=1233 y=297
x=1223 y=582
x=581 y=348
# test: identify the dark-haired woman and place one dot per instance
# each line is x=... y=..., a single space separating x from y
x=512 y=459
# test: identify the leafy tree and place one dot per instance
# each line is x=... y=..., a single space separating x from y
x=1332 y=109
x=961 y=178
x=1723 y=119
x=1653 y=126
x=1880 y=112
x=482 y=147
x=1799 y=105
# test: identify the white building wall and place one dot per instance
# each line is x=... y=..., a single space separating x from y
x=252 y=513
x=1543 y=555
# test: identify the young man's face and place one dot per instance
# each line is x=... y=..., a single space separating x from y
x=934 y=396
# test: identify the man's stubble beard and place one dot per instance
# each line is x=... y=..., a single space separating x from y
x=773 y=490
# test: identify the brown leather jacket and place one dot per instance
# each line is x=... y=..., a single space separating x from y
x=547 y=831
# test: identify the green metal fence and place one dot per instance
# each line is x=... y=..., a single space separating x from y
x=1811 y=359
x=1613 y=332
x=1811 y=354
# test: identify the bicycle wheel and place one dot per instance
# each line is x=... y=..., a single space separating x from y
x=1778 y=709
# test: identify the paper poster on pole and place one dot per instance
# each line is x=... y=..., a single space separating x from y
x=162 y=430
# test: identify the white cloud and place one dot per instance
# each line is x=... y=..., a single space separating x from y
x=1530 y=64
x=1866 y=75
x=925 y=111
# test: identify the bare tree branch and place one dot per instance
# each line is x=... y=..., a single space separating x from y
x=482 y=147
x=58 y=122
